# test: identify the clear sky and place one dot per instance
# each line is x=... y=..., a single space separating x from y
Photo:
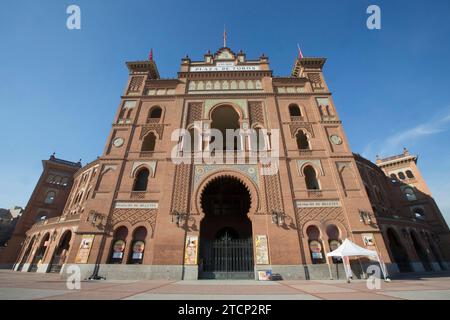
x=60 y=88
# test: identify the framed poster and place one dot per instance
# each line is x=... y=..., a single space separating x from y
x=316 y=250
x=369 y=242
x=190 y=250
x=262 y=249
x=368 y=239
x=85 y=248
x=138 y=250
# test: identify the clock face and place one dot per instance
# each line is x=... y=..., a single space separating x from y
x=336 y=139
x=118 y=142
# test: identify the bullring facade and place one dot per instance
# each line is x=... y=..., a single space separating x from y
x=141 y=211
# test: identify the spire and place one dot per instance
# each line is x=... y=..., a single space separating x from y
x=300 y=53
x=224 y=37
x=150 y=56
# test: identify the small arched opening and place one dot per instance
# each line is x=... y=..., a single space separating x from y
x=40 y=253
x=138 y=246
x=60 y=254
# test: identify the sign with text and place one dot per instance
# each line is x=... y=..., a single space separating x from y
x=224 y=67
x=319 y=204
x=136 y=205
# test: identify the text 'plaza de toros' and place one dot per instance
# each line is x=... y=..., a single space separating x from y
x=165 y=203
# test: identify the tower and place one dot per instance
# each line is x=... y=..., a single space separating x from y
x=46 y=202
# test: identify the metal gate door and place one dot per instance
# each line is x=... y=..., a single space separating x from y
x=227 y=258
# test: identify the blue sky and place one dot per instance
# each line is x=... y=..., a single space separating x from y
x=59 y=88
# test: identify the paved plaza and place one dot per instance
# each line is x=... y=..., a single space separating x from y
x=16 y=285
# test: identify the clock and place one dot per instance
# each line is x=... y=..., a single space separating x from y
x=336 y=139
x=118 y=142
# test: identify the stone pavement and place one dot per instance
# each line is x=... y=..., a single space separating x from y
x=17 y=285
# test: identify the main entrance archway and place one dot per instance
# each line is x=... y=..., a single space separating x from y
x=226 y=247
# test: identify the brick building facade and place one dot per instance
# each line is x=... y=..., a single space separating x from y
x=151 y=206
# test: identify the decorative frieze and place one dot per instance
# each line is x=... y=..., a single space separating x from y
x=249 y=170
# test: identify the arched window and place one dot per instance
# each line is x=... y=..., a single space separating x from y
x=409 y=174
x=41 y=216
x=334 y=240
x=141 y=181
x=401 y=175
x=419 y=214
x=315 y=245
x=122 y=113
x=302 y=141
x=294 y=111
x=50 y=198
x=129 y=114
x=138 y=246
x=393 y=178
x=311 y=178
x=226 y=118
x=409 y=194
x=191 y=140
x=149 y=142
x=118 y=245
x=258 y=142
x=155 y=113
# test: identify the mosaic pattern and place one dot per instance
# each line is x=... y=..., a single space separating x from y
x=249 y=170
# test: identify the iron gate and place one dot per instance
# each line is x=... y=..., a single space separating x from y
x=227 y=258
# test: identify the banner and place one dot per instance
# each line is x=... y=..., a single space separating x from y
x=190 y=250
x=262 y=249
x=85 y=248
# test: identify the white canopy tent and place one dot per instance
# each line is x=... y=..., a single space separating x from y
x=350 y=249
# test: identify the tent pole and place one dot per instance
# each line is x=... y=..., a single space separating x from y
x=362 y=269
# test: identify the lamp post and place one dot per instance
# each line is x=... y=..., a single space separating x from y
x=182 y=219
x=365 y=217
x=96 y=219
x=278 y=217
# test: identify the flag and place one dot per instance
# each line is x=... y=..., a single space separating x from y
x=224 y=37
x=300 y=53
x=150 y=56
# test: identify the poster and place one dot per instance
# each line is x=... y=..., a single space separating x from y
x=85 y=248
x=118 y=249
x=368 y=239
x=369 y=242
x=138 y=250
x=262 y=250
x=316 y=250
x=190 y=250
x=264 y=275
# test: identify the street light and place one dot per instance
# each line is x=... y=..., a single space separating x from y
x=278 y=217
x=365 y=217
x=179 y=217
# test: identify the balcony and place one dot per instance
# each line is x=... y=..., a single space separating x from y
x=298 y=119
x=315 y=194
x=146 y=154
x=137 y=194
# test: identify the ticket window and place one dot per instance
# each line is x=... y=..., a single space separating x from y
x=315 y=245
x=138 y=246
x=118 y=246
x=334 y=240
